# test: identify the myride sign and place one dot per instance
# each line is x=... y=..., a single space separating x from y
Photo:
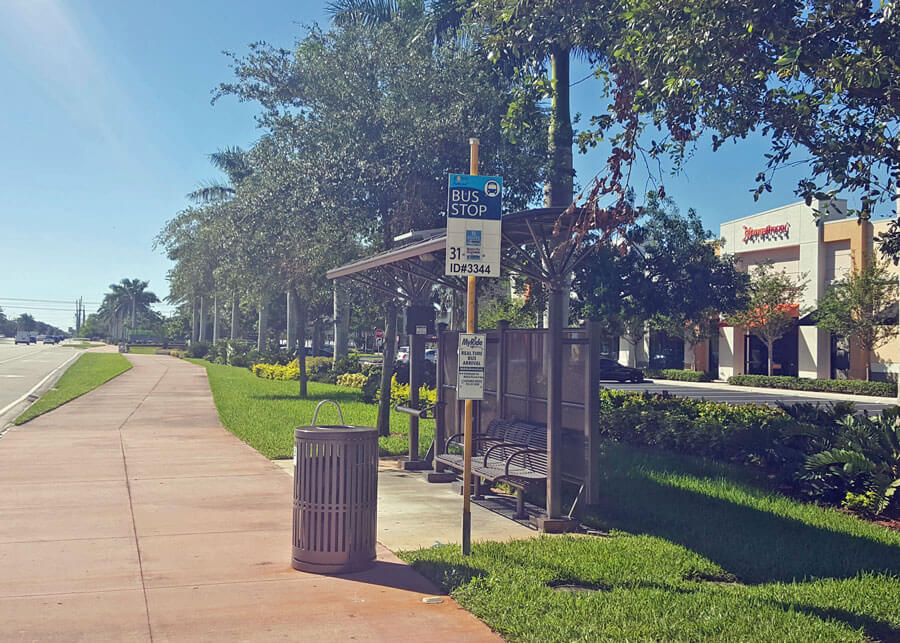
x=473 y=225
x=470 y=366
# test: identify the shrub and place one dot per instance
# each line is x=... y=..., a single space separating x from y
x=853 y=387
x=180 y=354
x=218 y=352
x=347 y=365
x=318 y=369
x=372 y=384
x=429 y=374
x=352 y=380
x=400 y=394
x=289 y=371
x=198 y=350
x=683 y=375
x=866 y=457
x=745 y=433
x=241 y=353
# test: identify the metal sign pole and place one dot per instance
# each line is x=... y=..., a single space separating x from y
x=469 y=410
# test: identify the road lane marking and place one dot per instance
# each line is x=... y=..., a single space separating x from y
x=37 y=386
x=13 y=359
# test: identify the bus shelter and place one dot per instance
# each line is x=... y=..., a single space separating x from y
x=547 y=376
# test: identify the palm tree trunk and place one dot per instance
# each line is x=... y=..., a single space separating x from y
x=291 y=325
x=215 y=335
x=194 y=326
x=317 y=336
x=263 y=330
x=234 y=314
x=559 y=187
x=203 y=315
x=769 y=345
x=302 y=308
x=387 y=368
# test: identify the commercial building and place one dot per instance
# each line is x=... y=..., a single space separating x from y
x=817 y=252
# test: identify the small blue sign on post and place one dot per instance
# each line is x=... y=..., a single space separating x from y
x=473 y=225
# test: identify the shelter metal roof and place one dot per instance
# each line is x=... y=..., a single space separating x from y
x=424 y=259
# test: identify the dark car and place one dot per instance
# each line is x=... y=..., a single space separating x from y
x=610 y=370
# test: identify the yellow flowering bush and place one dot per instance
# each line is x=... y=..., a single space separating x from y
x=289 y=371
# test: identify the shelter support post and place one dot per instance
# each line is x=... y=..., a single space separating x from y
x=416 y=368
x=554 y=404
x=440 y=417
x=554 y=521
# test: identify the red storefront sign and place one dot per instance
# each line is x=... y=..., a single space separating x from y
x=750 y=234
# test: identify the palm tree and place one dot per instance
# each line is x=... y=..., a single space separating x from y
x=132 y=294
x=233 y=162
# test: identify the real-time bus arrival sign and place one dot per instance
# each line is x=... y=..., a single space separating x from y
x=473 y=225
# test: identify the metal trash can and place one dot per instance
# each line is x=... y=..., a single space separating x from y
x=335 y=497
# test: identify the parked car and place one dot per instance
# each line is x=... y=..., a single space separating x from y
x=23 y=337
x=431 y=355
x=323 y=351
x=612 y=370
x=403 y=354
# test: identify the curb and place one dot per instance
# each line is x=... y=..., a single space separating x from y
x=723 y=386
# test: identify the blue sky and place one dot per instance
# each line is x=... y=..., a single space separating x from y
x=106 y=124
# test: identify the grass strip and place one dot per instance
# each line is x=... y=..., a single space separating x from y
x=143 y=350
x=263 y=413
x=697 y=551
x=87 y=373
x=81 y=345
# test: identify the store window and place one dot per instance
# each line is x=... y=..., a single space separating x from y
x=784 y=355
x=665 y=351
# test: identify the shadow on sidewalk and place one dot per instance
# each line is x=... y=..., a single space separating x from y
x=396 y=575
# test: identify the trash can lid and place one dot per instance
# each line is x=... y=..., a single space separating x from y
x=333 y=431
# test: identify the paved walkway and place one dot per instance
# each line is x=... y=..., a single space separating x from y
x=130 y=514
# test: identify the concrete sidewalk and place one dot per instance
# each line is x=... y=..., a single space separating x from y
x=131 y=514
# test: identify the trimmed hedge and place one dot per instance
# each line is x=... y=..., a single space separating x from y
x=683 y=375
x=740 y=433
x=853 y=387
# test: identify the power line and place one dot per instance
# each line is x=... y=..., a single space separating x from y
x=27 y=308
x=48 y=301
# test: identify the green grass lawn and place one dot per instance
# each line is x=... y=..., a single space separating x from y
x=81 y=345
x=697 y=551
x=264 y=413
x=87 y=373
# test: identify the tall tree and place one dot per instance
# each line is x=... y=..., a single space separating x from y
x=819 y=80
x=856 y=307
x=381 y=116
x=538 y=38
x=670 y=272
x=773 y=307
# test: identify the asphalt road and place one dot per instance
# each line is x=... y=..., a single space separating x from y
x=738 y=395
x=28 y=369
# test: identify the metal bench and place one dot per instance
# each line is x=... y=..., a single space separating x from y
x=508 y=451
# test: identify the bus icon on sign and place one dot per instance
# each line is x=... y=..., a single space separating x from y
x=492 y=188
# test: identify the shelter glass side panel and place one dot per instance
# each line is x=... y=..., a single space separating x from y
x=574 y=371
x=537 y=384
x=518 y=349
